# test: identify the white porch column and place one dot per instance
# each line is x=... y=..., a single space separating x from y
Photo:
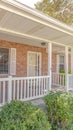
x=72 y=60
x=66 y=67
x=50 y=64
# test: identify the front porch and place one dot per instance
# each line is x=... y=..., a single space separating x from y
x=34 y=50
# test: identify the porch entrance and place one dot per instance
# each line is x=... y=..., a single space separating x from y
x=34 y=64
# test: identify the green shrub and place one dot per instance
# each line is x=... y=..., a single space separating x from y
x=69 y=71
x=63 y=71
x=60 y=110
x=22 y=116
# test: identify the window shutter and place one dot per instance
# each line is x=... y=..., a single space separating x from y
x=13 y=61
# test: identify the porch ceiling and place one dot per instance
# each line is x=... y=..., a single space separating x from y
x=26 y=28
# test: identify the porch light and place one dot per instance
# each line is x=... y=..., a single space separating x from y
x=43 y=43
x=69 y=49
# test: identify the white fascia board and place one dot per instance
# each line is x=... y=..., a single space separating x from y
x=35 y=16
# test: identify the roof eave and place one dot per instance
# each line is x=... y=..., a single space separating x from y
x=44 y=19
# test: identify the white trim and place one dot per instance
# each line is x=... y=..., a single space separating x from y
x=66 y=68
x=32 y=52
x=50 y=64
x=13 y=61
x=42 y=18
x=58 y=62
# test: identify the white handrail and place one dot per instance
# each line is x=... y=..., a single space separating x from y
x=35 y=77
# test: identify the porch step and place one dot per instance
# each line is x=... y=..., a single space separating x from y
x=40 y=103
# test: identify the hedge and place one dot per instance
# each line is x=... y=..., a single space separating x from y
x=23 y=116
x=60 y=110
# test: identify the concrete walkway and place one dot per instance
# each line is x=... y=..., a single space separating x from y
x=40 y=103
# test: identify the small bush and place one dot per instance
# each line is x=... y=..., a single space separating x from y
x=63 y=71
x=60 y=110
x=22 y=116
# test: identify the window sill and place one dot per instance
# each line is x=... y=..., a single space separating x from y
x=4 y=75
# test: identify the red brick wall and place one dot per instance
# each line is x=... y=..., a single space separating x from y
x=21 y=57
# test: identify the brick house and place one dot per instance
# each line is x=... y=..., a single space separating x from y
x=34 y=49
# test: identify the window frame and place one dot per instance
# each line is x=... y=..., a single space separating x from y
x=8 y=61
x=58 y=62
x=62 y=62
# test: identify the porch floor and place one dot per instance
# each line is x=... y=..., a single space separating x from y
x=58 y=88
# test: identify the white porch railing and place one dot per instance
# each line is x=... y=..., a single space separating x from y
x=23 y=88
x=58 y=79
x=70 y=82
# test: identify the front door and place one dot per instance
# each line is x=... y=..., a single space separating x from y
x=34 y=64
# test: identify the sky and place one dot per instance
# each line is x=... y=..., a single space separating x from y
x=29 y=2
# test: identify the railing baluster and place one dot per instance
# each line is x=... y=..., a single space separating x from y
x=47 y=87
x=21 y=97
x=54 y=78
x=17 y=89
x=34 y=87
x=39 y=86
x=14 y=90
x=25 y=89
x=3 y=92
x=31 y=88
x=58 y=79
x=63 y=81
x=44 y=86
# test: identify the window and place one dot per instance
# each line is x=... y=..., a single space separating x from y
x=61 y=63
x=4 y=60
